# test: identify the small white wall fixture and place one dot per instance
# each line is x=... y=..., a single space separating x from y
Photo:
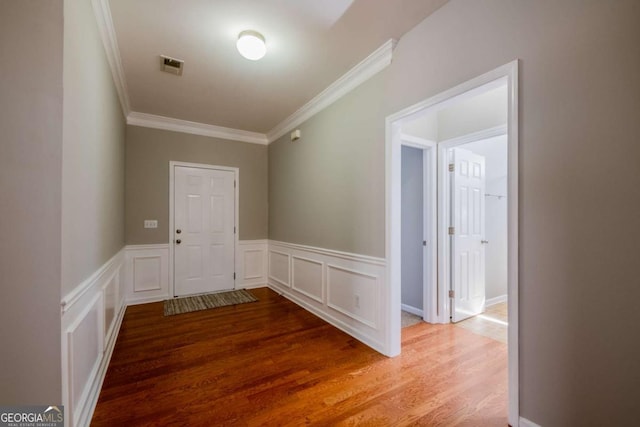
x=506 y=74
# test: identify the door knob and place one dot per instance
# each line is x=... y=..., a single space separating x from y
x=484 y=242
x=178 y=231
x=178 y=241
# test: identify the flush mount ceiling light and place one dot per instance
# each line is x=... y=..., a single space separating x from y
x=251 y=45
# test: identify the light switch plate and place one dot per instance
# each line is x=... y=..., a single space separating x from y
x=150 y=223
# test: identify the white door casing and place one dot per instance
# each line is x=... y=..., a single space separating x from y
x=467 y=241
x=507 y=73
x=204 y=214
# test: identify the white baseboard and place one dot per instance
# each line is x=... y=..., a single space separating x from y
x=496 y=300
x=254 y=286
x=526 y=423
x=412 y=310
x=147 y=300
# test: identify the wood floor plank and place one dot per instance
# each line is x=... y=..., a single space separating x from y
x=273 y=363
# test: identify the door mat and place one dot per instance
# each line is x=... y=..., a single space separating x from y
x=206 y=301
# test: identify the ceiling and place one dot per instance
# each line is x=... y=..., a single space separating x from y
x=311 y=43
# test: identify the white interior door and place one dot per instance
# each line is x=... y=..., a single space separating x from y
x=204 y=221
x=468 y=221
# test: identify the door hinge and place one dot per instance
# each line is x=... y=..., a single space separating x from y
x=452 y=294
x=452 y=167
x=234 y=229
x=234 y=276
x=452 y=231
x=234 y=184
x=424 y=243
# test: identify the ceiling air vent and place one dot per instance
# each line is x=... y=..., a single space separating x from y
x=171 y=65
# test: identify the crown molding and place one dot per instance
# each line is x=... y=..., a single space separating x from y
x=102 y=12
x=185 y=126
x=367 y=68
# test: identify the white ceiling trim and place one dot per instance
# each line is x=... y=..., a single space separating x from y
x=108 y=34
x=185 y=126
x=367 y=68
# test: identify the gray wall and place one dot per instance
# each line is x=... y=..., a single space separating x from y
x=579 y=127
x=327 y=188
x=31 y=35
x=496 y=232
x=93 y=151
x=148 y=152
x=412 y=227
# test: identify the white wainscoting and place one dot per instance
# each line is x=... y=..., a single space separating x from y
x=251 y=263
x=279 y=267
x=147 y=273
x=93 y=311
x=344 y=289
x=90 y=321
x=308 y=277
x=147 y=270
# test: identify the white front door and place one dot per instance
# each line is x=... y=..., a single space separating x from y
x=204 y=222
x=468 y=222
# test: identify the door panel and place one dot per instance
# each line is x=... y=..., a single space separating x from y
x=194 y=260
x=468 y=219
x=216 y=218
x=194 y=213
x=204 y=211
x=217 y=260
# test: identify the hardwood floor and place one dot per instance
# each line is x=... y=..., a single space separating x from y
x=272 y=363
x=491 y=323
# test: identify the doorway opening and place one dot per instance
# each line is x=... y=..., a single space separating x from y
x=476 y=184
x=419 y=215
x=469 y=255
